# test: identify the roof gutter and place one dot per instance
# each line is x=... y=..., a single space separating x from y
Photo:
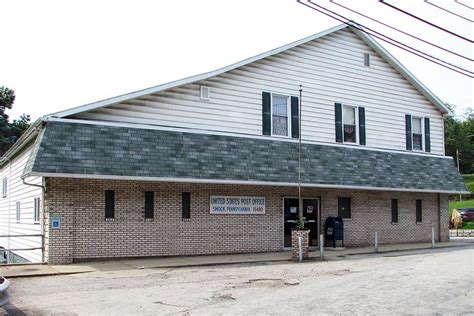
x=25 y=139
x=239 y=182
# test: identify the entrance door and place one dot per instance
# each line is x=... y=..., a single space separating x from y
x=310 y=218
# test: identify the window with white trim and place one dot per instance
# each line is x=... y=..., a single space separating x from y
x=4 y=187
x=18 y=210
x=280 y=115
x=349 y=121
x=36 y=210
x=417 y=132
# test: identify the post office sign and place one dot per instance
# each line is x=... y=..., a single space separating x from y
x=237 y=204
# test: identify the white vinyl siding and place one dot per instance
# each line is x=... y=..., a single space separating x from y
x=25 y=195
x=330 y=70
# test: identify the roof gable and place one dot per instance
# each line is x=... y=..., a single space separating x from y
x=366 y=38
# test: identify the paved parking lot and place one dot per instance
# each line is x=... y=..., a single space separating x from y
x=424 y=281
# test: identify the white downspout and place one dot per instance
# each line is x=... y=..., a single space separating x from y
x=9 y=206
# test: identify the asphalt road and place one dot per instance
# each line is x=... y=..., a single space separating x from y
x=439 y=281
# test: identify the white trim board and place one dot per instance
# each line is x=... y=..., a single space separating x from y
x=366 y=38
x=240 y=182
x=220 y=133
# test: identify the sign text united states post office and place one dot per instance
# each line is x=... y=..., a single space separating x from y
x=237 y=205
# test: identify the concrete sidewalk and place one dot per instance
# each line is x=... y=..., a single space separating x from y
x=30 y=270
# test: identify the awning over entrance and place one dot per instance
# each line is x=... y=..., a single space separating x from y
x=115 y=152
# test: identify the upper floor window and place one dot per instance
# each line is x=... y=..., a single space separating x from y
x=417 y=133
x=4 y=187
x=36 y=210
x=18 y=212
x=280 y=120
x=280 y=115
x=350 y=124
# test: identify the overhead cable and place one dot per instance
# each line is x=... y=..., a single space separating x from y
x=425 y=21
x=401 y=31
x=448 y=11
x=389 y=41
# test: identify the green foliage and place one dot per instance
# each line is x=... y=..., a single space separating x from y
x=7 y=97
x=459 y=135
x=299 y=222
x=10 y=132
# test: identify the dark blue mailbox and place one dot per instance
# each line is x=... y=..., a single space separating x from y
x=334 y=230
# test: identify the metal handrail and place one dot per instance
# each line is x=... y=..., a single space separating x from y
x=27 y=249
x=31 y=235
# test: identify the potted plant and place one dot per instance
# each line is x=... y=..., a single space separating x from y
x=299 y=231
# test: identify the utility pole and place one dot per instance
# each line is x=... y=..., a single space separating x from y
x=300 y=200
x=457 y=163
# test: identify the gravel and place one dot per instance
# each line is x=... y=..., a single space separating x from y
x=439 y=281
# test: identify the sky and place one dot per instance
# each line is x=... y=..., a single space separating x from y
x=61 y=54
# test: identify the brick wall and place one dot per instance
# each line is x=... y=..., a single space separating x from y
x=85 y=234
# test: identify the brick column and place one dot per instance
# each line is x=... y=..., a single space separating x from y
x=443 y=200
x=304 y=234
x=59 y=241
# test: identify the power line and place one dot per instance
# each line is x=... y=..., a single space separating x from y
x=381 y=38
x=403 y=32
x=391 y=39
x=425 y=21
x=446 y=10
x=459 y=2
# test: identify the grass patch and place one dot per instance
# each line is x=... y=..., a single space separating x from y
x=469 y=225
x=457 y=204
x=469 y=181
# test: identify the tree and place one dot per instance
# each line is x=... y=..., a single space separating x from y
x=459 y=135
x=10 y=132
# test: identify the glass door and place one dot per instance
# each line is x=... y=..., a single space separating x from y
x=310 y=218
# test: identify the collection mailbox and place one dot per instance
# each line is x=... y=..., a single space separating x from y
x=334 y=230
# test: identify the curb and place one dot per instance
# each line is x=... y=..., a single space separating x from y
x=44 y=274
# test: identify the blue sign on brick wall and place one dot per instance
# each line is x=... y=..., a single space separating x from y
x=55 y=221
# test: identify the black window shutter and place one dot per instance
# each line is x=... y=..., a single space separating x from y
x=361 y=125
x=427 y=135
x=186 y=205
x=338 y=112
x=394 y=211
x=295 y=127
x=109 y=204
x=266 y=113
x=149 y=203
x=408 y=131
x=419 y=216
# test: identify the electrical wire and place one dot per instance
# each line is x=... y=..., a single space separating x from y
x=391 y=39
x=403 y=32
x=425 y=21
x=351 y=24
x=459 y=2
x=448 y=11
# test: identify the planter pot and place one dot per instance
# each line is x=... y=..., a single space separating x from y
x=4 y=284
x=295 y=234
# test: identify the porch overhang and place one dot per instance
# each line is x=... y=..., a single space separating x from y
x=88 y=151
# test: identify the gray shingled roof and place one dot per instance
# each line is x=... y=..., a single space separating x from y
x=84 y=149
